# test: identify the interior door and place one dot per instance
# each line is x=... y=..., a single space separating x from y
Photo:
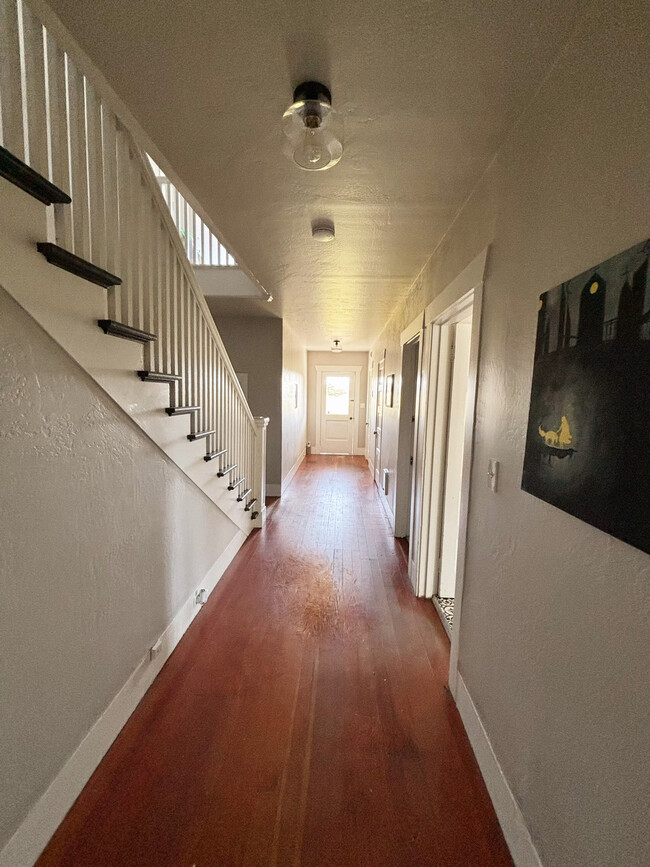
x=462 y=333
x=379 y=414
x=337 y=412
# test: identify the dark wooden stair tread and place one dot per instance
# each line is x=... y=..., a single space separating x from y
x=200 y=435
x=62 y=258
x=225 y=470
x=158 y=376
x=213 y=455
x=181 y=410
x=119 y=329
x=29 y=180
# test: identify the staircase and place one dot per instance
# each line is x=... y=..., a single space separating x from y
x=103 y=222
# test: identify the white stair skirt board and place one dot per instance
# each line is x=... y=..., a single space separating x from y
x=286 y=481
x=511 y=819
x=34 y=833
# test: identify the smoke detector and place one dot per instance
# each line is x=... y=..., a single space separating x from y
x=323 y=231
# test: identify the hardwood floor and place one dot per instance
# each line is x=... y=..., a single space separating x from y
x=303 y=719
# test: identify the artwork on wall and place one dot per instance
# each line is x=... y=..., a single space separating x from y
x=588 y=438
x=390 y=389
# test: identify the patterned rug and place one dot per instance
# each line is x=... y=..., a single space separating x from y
x=447 y=606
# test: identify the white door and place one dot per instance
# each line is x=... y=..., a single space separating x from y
x=379 y=414
x=462 y=333
x=337 y=415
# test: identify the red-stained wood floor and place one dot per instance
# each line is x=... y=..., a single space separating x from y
x=303 y=719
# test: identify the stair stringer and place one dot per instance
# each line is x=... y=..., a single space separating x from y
x=68 y=309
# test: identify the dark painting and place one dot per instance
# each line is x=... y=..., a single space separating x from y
x=588 y=438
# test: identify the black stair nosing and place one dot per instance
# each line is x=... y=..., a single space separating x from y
x=236 y=483
x=225 y=470
x=213 y=455
x=158 y=376
x=68 y=261
x=201 y=435
x=242 y=496
x=28 y=179
x=120 y=329
x=250 y=505
x=181 y=410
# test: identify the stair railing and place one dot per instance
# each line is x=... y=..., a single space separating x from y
x=55 y=125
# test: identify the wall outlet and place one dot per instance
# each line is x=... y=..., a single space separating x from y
x=155 y=650
x=201 y=597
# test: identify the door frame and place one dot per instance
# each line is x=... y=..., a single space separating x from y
x=341 y=369
x=463 y=294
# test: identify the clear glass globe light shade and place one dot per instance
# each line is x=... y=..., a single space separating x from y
x=309 y=126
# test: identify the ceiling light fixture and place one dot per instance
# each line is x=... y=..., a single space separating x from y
x=323 y=231
x=269 y=299
x=310 y=125
x=336 y=346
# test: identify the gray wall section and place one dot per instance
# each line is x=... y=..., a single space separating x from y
x=254 y=344
x=103 y=539
x=556 y=615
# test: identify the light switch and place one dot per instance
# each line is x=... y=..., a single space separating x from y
x=493 y=474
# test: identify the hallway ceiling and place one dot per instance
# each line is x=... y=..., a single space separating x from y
x=427 y=90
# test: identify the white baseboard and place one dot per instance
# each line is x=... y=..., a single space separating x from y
x=274 y=490
x=46 y=815
x=286 y=481
x=511 y=819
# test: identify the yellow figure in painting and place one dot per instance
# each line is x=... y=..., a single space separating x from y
x=564 y=433
x=560 y=438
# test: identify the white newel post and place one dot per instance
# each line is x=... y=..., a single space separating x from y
x=259 y=484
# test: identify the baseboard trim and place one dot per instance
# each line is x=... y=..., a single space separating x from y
x=511 y=819
x=274 y=490
x=46 y=815
x=286 y=481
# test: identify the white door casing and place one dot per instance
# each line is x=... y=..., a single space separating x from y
x=453 y=473
x=338 y=401
x=379 y=414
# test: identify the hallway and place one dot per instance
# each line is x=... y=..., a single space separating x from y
x=303 y=719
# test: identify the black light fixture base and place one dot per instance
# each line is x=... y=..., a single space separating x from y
x=312 y=90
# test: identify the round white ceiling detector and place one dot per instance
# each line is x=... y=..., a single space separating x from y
x=323 y=231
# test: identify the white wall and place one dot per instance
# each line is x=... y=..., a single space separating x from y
x=103 y=540
x=340 y=359
x=294 y=419
x=254 y=344
x=556 y=614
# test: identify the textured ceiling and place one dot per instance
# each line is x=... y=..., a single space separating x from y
x=427 y=91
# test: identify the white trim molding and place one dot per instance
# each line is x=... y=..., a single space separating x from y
x=286 y=481
x=46 y=815
x=509 y=814
x=338 y=368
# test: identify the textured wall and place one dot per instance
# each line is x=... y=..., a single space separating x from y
x=294 y=419
x=254 y=344
x=103 y=539
x=343 y=359
x=556 y=614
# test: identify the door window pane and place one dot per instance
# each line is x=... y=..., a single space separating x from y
x=337 y=395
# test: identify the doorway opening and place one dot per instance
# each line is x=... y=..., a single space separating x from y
x=337 y=414
x=406 y=499
x=453 y=339
x=379 y=416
